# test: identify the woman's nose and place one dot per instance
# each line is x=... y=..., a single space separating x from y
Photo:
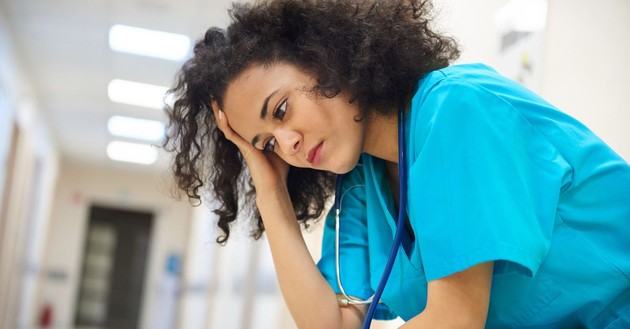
x=290 y=141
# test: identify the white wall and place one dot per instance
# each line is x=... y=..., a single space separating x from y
x=79 y=187
x=587 y=67
x=199 y=271
x=471 y=23
x=232 y=286
x=29 y=197
x=583 y=68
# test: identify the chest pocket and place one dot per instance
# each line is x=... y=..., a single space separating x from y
x=406 y=290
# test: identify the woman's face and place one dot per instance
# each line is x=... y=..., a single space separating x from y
x=275 y=109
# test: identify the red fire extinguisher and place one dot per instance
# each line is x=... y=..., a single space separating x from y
x=46 y=317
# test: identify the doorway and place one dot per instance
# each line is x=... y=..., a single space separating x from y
x=114 y=262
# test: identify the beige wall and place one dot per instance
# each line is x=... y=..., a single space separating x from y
x=78 y=188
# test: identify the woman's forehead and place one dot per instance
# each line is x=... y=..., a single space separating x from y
x=258 y=81
x=247 y=88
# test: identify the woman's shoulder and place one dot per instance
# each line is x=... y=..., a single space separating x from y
x=462 y=76
x=475 y=83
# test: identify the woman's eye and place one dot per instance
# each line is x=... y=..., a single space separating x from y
x=278 y=114
x=270 y=145
x=280 y=111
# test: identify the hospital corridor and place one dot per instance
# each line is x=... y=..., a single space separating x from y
x=93 y=234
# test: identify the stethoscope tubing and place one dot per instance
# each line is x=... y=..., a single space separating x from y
x=400 y=226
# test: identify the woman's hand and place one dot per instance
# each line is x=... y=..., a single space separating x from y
x=292 y=260
x=268 y=170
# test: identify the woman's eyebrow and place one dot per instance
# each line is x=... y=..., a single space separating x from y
x=263 y=114
x=263 y=111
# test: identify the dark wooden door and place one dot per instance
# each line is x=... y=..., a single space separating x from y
x=114 y=262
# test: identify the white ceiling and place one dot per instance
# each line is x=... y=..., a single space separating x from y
x=62 y=46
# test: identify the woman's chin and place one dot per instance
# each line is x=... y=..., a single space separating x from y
x=344 y=168
x=338 y=168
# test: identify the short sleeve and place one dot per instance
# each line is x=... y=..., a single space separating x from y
x=483 y=184
x=353 y=244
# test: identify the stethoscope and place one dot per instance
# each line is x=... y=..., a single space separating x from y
x=402 y=205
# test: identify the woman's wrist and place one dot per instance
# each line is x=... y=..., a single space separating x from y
x=274 y=200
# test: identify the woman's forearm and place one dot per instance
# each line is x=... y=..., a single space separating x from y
x=460 y=300
x=311 y=300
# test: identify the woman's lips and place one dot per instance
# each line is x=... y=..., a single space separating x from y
x=315 y=154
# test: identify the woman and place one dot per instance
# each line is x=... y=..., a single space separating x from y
x=517 y=214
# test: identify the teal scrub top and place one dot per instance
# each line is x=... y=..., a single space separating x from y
x=496 y=173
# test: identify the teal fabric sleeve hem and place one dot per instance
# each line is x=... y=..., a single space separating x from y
x=507 y=259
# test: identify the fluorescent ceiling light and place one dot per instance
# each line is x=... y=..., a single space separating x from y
x=151 y=43
x=137 y=93
x=149 y=130
x=132 y=152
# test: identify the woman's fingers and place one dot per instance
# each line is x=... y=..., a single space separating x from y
x=223 y=125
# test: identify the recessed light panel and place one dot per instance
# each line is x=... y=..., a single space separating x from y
x=137 y=93
x=149 y=130
x=132 y=152
x=147 y=42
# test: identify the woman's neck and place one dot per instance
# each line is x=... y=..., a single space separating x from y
x=381 y=138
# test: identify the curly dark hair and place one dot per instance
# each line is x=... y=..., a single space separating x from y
x=375 y=50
